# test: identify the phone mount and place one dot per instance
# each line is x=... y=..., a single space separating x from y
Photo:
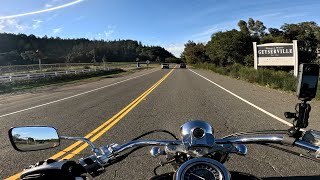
x=306 y=90
x=300 y=119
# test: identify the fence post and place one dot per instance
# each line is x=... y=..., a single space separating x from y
x=10 y=78
x=44 y=75
x=56 y=74
x=28 y=75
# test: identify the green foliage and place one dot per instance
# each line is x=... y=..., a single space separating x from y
x=194 y=53
x=256 y=28
x=226 y=48
x=307 y=34
x=229 y=47
x=274 y=79
x=21 y=49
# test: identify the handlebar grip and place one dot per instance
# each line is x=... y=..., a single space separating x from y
x=308 y=146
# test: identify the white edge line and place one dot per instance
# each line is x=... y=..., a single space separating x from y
x=246 y=101
x=76 y=95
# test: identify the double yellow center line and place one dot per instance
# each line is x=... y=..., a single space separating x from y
x=99 y=131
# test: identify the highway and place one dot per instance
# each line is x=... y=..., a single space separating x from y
x=116 y=110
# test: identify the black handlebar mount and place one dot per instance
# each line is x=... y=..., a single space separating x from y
x=306 y=90
x=300 y=119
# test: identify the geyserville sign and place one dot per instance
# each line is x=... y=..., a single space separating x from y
x=275 y=51
x=276 y=54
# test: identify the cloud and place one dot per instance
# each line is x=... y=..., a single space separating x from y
x=56 y=30
x=41 y=11
x=109 y=31
x=175 y=49
x=205 y=34
x=48 y=5
x=36 y=23
x=12 y=26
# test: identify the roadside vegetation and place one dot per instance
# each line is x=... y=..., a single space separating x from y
x=34 y=68
x=27 y=84
x=22 y=49
x=231 y=52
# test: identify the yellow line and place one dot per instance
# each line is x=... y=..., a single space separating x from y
x=108 y=124
x=81 y=148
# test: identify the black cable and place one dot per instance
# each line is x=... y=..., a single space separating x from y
x=162 y=164
x=257 y=132
x=156 y=131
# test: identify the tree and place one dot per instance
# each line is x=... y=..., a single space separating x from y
x=229 y=47
x=59 y=50
x=306 y=33
x=256 y=28
x=195 y=53
x=275 y=32
x=243 y=26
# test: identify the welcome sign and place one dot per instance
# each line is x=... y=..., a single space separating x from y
x=276 y=54
x=275 y=51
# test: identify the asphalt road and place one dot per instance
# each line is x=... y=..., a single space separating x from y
x=77 y=110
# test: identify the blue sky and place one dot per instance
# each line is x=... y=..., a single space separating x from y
x=168 y=23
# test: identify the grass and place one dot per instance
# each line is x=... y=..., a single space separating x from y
x=54 y=67
x=27 y=84
x=274 y=79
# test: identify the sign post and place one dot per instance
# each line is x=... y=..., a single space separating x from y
x=137 y=60
x=147 y=64
x=276 y=54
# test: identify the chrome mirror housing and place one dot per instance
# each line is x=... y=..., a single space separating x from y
x=33 y=138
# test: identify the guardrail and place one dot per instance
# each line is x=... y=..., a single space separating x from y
x=36 y=76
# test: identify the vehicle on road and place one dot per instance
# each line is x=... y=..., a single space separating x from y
x=165 y=66
x=183 y=65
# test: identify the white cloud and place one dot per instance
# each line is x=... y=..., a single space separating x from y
x=175 y=49
x=12 y=26
x=48 y=5
x=108 y=33
x=56 y=30
x=36 y=23
x=205 y=35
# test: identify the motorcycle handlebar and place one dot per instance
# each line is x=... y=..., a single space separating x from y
x=243 y=140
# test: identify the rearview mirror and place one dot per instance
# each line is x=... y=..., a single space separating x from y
x=33 y=138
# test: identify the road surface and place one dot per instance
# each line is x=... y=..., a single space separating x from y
x=154 y=99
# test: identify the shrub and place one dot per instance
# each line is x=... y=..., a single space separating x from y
x=266 y=77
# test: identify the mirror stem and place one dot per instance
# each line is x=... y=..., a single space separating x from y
x=93 y=147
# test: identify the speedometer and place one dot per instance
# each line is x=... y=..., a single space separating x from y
x=202 y=169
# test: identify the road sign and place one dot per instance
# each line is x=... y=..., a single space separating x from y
x=276 y=54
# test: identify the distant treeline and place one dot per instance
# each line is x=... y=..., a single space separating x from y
x=235 y=46
x=22 y=49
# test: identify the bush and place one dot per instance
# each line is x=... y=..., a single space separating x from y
x=266 y=77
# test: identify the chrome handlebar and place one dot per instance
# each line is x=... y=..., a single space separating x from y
x=104 y=156
x=241 y=140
